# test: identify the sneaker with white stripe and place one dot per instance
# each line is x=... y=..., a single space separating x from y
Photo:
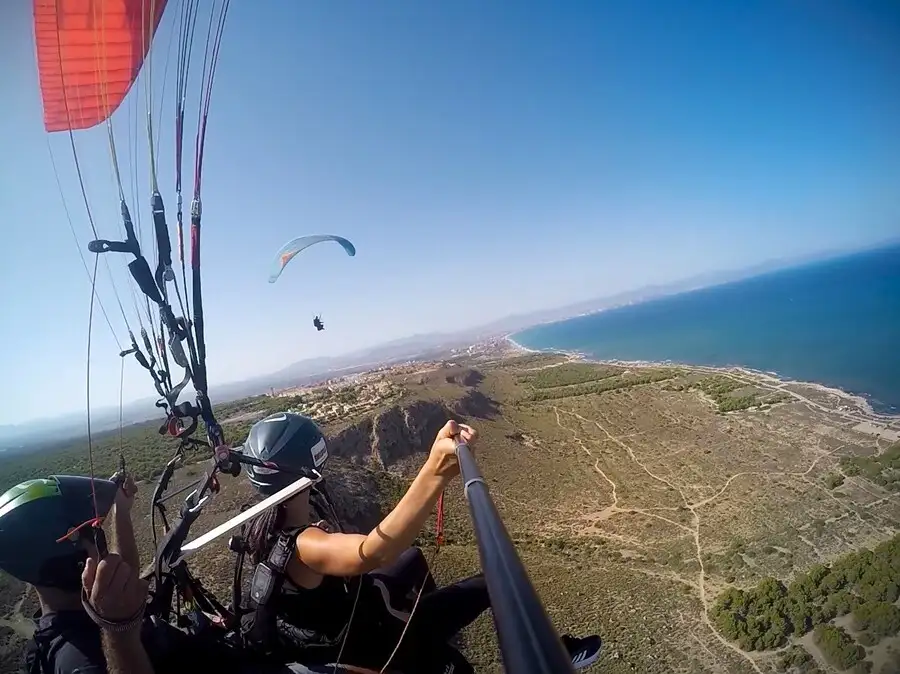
x=585 y=651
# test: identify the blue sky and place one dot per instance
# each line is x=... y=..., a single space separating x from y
x=485 y=158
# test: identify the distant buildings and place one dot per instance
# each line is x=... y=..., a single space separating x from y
x=344 y=397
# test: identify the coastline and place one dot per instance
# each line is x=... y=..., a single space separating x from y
x=518 y=347
x=856 y=401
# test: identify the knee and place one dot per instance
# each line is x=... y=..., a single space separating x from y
x=414 y=559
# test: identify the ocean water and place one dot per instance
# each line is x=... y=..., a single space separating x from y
x=835 y=322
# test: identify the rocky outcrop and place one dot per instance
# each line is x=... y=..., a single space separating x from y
x=477 y=404
x=356 y=494
x=354 y=442
x=465 y=377
x=394 y=439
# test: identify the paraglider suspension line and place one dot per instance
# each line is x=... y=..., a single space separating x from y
x=88 y=386
x=78 y=244
x=121 y=393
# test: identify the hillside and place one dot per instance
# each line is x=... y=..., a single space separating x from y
x=679 y=512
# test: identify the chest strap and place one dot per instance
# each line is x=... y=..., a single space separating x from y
x=263 y=628
x=268 y=577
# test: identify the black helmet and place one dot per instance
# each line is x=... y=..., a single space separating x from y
x=293 y=441
x=35 y=514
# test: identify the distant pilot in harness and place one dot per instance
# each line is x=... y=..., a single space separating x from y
x=317 y=321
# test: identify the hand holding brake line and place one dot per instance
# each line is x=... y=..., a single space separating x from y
x=125 y=494
x=113 y=595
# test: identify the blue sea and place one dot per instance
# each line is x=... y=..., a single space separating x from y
x=835 y=322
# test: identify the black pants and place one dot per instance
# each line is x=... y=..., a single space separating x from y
x=442 y=613
x=405 y=576
x=389 y=594
x=439 y=616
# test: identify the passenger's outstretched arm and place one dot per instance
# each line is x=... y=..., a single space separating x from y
x=352 y=554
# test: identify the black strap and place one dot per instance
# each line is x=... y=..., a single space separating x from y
x=262 y=627
x=268 y=579
x=40 y=653
x=274 y=567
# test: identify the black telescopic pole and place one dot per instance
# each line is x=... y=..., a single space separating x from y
x=528 y=641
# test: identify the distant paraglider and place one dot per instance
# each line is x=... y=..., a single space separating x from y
x=291 y=248
x=317 y=321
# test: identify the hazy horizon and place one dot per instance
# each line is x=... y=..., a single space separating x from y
x=776 y=265
x=539 y=156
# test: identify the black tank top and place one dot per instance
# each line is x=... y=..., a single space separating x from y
x=324 y=609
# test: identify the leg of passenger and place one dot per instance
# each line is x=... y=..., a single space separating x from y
x=440 y=616
x=439 y=659
x=408 y=572
x=444 y=612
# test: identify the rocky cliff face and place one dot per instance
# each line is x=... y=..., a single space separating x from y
x=357 y=495
x=372 y=459
x=395 y=439
x=465 y=377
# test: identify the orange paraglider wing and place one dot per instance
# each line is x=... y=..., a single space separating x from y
x=89 y=53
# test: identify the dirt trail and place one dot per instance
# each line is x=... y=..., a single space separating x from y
x=693 y=506
x=694 y=530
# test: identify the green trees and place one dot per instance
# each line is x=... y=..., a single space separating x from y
x=840 y=603
x=834 y=480
x=877 y=617
x=797 y=659
x=571 y=373
x=865 y=582
x=578 y=379
x=758 y=619
x=883 y=469
x=838 y=647
x=607 y=384
x=720 y=388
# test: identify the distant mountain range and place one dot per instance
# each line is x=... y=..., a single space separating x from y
x=425 y=346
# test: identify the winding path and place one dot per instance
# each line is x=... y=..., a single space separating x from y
x=694 y=530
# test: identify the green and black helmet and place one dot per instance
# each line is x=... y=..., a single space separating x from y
x=35 y=514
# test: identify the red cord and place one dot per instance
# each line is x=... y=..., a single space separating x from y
x=95 y=522
x=439 y=526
